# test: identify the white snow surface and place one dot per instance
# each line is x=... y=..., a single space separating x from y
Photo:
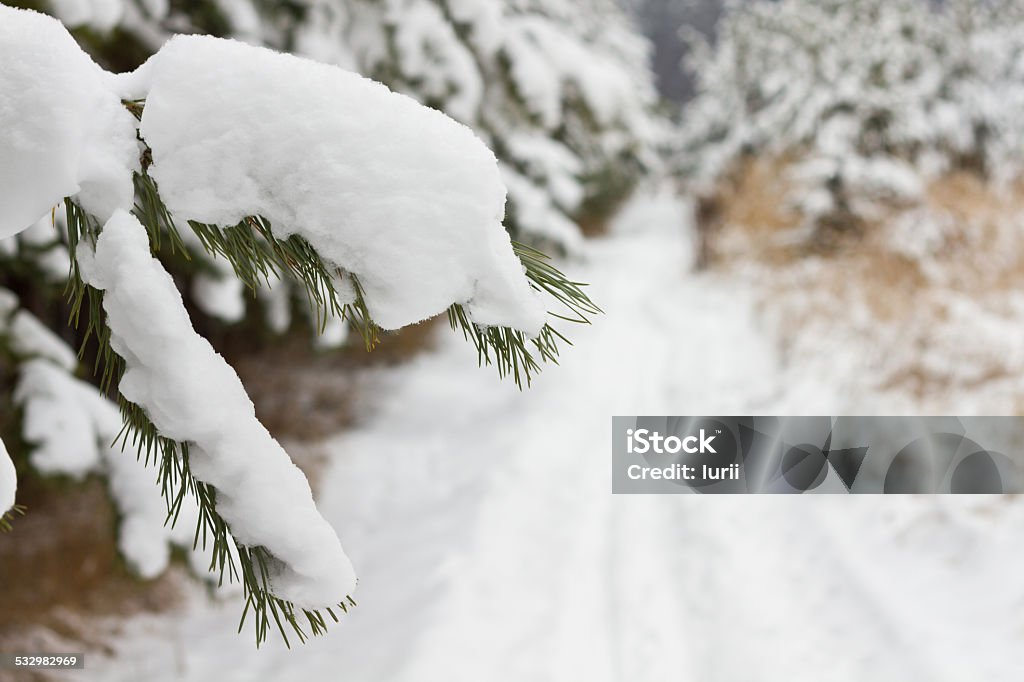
x=63 y=131
x=191 y=394
x=492 y=548
x=399 y=195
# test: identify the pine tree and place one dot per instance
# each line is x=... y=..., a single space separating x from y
x=141 y=171
x=865 y=101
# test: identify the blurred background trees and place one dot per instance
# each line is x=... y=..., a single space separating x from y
x=860 y=161
x=863 y=102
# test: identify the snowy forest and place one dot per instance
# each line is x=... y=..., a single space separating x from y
x=314 y=316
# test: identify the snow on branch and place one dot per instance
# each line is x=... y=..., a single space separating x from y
x=8 y=487
x=381 y=210
x=399 y=195
x=192 y=395
x=62 y=130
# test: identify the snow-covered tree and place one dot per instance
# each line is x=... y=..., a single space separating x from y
x=382 y=211
x=865 y=100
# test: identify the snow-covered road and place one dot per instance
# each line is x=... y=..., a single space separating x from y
x=489 y=546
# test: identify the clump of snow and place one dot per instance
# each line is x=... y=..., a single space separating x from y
x=191 y=394
x=8 y=480
x=40 y=246
x=534 y=207
x=399 y=195
x=56 y=420
x=221 y=295
x=430 y=54
x=333 y=335
x=71 y=429
x=102 y=15
x=484 y=22
x=30 y=337
x=64 y=131
x=920 y=235
x=553 y=164
x=8 y=304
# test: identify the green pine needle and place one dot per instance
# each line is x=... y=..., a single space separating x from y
x=8 y=517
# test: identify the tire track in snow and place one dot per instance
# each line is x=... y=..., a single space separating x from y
x=559 y=580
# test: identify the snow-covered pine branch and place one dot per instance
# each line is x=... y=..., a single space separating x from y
x=559 y=89
x=379 y=208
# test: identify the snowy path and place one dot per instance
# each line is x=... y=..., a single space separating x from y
x=490 y=547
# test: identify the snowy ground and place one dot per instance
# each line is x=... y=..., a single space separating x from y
x=490 y=548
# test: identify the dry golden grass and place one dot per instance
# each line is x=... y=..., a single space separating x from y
x=749 y=219
x=753 y=198
x=748 y=213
